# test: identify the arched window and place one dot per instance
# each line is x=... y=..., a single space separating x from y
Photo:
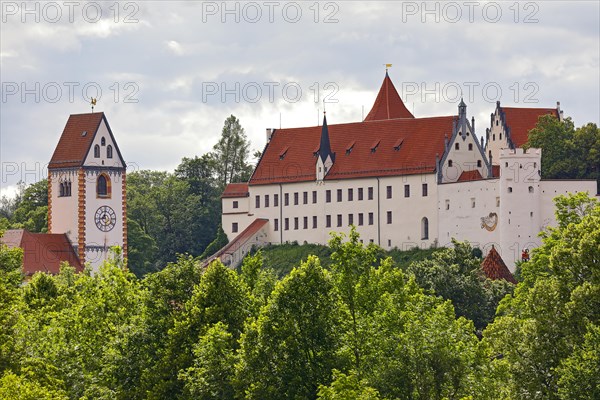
x=103 y=142
x=424 y=228
x=456 y=146
x=69 y=188
x=470 y=146
x=109 y=151
x=96 y=151
x=61 y=190
x=449 y=163
x=103 y=186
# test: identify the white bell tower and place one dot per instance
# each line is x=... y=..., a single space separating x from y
x=87 y=189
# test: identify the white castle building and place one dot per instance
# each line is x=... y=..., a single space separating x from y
x=402 y=181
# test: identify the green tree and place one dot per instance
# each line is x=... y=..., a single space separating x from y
x=347 y=387
x=211 y=376
x=455 y=274
x=291 y=348
x=543 y=328
x=568 y=152
x=231 y=154
x=11 y=261
x=31 y=211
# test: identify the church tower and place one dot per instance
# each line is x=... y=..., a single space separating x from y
x=87 y=189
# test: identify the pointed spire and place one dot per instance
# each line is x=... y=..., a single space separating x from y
x=325 y=147
x=388 y=104
x=462 y=108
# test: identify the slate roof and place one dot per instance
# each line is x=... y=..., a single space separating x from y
x=494 y=267
x=522 y=120
x=76 y=140
x=42 y=252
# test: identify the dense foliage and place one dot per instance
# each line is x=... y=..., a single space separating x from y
x=360 y=329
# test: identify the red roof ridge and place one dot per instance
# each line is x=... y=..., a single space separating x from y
x=467 y=176
x=388 y=103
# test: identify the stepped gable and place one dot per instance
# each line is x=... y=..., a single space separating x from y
x=521 y=120
x=42 y=252
x=494 y=267
x=388 y=104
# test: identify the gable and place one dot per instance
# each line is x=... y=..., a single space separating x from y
x=77 y=138
x=521 y=120
x=105 y=142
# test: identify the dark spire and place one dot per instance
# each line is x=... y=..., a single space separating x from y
x=325 y=148
x=462 y=109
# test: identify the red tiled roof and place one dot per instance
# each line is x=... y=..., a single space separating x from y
x=239 y=240
x=73 y=146
x=496 y=171
x=421 y=139
x=42 y=252
x=388 y=104
x=522 y=120
x=236 y=190
x=466 y=176
x=494 y=267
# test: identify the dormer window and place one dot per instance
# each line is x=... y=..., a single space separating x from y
x=350 y=147
x=398 y=144
x=375 y=145
x=109 y=151
x=283 y=153
x=96 y=151
x=103 y=142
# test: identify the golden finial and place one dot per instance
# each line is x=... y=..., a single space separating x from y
x=93 y=103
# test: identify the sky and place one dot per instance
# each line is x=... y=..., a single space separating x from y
x=168 y=74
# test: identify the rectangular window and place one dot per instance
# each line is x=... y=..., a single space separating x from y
x=370 y=218
x=472 y=202
x=286 y=224
x=339 y=220
x=350 y=194
x=406 y=190
x=350 y=219
x=314 y=196
x=276 y=224
x=286 y=199
x=389 y=217
x=266 y=200
x=305 y=198
x=370 y=194
x=424 y=190
x=360 y=194
x=360 y=219
x=296 y=223
x=305 y=223
x=389 y=192
x=235 y=204
x=339 y=195
x=234 y=227
x=328 y=196
x=257 y=201
x=295 y=198
x=497 y=201
x=276 y=200
x=447 y=204
x=328 y=221
x=314 y=222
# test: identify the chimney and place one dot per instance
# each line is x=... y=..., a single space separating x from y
x=560 y=112
x=269 y=134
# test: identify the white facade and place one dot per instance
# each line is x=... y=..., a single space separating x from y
x=87 y=201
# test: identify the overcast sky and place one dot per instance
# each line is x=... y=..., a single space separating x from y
x=168 y=74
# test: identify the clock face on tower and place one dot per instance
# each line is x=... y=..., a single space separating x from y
x=105 y=218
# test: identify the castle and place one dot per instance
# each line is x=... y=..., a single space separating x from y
x=402 y=181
